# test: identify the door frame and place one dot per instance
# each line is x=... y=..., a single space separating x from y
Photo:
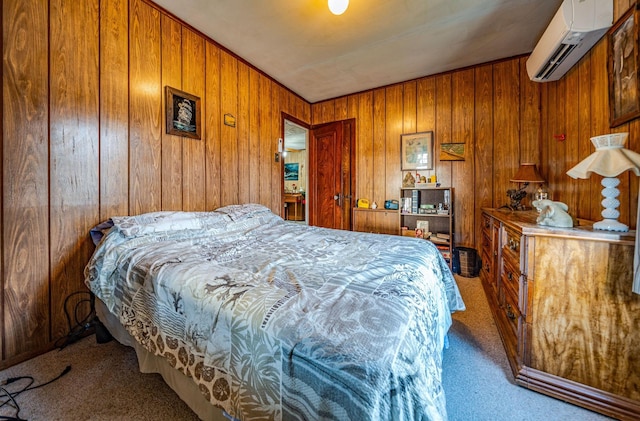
x=348 y=167
x=349 y=141
x=285 y=116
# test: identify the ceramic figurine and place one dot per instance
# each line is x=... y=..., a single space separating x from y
x=553 y=214
x=408 y=181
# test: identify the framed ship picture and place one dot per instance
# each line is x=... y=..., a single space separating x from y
x=182 y=113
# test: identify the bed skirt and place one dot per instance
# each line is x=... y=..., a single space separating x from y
x=184 y=387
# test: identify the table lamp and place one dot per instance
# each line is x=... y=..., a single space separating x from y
x=609 y=160
x=527 y=173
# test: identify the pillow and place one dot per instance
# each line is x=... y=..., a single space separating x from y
x=100 y=230
x=242 y=212
x=164 y=221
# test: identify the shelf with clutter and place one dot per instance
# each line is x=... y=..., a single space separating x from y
x=428 y=213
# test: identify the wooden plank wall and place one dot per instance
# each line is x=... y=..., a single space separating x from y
x=493 y=109
x=578 y=107
x=504 y=119
x=83 y=138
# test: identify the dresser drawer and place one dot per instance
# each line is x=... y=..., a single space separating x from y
x=487 y=244
x=512 y=318
x=510 y=278
x=486 y=224
x=487 y=271
x=511 y=245
x=487 y=262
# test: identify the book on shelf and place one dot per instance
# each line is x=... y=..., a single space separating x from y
x=443 y=235
x=438 y=240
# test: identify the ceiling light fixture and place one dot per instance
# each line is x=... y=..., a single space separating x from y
x=338 y=7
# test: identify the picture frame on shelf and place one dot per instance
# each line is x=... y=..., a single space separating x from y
x=624 y=98
x=423 y=225
x=182 y=113
x=416 y=151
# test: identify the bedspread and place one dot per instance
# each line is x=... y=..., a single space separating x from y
x=282 y=321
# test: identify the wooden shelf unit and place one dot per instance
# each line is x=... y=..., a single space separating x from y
x=438 y=223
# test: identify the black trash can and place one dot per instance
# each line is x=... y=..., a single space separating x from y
x=469 y=263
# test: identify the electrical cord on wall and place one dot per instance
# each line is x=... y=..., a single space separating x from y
x=11 y=396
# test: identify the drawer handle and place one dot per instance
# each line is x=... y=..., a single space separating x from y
x=513 y=244
x=510 y=276
x=486 y=268
x=510 y=313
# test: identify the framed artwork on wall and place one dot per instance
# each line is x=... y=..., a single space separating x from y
x=624 y=99
x=182 y=113
x=291 y=171
x=416 y=151
x=452 y=152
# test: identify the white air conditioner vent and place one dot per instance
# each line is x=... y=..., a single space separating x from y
x=558 y=56
x=574 y=29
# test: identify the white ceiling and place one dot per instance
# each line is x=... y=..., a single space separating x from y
x=295 y=136
x=374 y=43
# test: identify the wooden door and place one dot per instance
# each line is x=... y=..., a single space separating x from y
x=331 y=164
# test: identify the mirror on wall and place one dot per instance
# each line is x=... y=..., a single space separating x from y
x=296 y=140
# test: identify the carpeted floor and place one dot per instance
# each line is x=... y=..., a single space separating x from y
x=104 y=382
x=478 y=381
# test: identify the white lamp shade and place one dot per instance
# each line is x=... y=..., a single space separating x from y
x=610 y=158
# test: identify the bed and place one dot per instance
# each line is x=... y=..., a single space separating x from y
x=252 y=317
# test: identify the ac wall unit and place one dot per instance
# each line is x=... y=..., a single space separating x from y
x=574 y=29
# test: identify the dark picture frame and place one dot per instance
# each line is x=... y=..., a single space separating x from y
x=416 y=151
x=624 y=99
x=182 y=113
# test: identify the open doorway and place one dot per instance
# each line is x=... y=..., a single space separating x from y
x=296 y=174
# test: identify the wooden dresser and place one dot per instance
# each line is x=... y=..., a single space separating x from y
x=563 y=305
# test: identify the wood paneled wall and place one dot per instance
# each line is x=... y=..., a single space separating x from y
x=578 y=107
x=83 y=138
x=494 y=109
x=504 y=119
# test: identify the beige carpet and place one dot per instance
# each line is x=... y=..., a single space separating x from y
x=104 y=382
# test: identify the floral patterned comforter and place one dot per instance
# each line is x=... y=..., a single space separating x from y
x=282 y=321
